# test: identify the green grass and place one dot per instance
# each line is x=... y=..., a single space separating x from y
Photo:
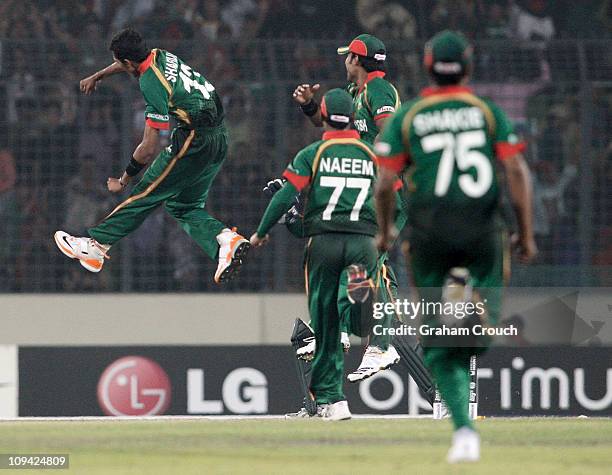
x=380 y=446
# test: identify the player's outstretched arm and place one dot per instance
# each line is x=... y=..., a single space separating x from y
x=385 y=208
x=278 y=206
x=293 y=218
x=90 y=83
x=304 y=96
x=519 y=184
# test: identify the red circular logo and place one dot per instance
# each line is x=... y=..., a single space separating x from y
x=134 y=386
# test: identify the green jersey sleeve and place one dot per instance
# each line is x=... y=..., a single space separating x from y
x=506 y=143
x=390 y=150
x=156 y=98
x=382 y=98
x=299 y=171
x=279 y=205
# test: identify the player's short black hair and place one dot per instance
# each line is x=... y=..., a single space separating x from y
x=129 y=44
x=371 y=64
x=450 y=79
x=337 y=125
x=447 y=79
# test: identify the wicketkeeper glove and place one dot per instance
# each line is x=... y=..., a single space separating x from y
x=293 y=214
x=273 y=186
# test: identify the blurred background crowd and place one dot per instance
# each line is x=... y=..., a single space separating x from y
x=546 y=62
x=73 y=21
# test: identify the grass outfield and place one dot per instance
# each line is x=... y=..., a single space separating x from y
x=415 y=446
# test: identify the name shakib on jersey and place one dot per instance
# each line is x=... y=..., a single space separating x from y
x=171 y=70
x=346 y=166
x=453 y=120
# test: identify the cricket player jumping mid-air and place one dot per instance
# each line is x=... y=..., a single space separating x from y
x=181 y=175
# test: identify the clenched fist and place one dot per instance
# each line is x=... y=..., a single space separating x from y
x=114 y=185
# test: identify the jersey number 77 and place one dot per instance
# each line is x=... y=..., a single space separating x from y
x=339 y=184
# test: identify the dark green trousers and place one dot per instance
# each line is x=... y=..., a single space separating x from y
x=327 y=256
x=431 y=258
x=180 y=177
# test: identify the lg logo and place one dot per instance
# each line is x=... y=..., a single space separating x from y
x=138 y=386
x=134 y=386
x=244 y=391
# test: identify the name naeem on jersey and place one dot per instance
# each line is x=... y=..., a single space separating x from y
x=346 y=166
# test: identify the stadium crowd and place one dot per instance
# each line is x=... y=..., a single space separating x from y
x=72 y=21
x=57 y=147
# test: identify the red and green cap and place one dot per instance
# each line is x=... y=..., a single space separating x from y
x=366 y=45
x=447 y=53
x=337 y=106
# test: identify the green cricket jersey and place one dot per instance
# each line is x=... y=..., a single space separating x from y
x=340 y=173
x=171 y=87
x=377 y=99
x=449 y=139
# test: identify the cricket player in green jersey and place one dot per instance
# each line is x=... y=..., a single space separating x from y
x=451 y=141
x=336 y=175
x=181 y=175
x=375 y=99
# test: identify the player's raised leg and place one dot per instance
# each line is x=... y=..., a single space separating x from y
x=157 y=184
x=216 y=239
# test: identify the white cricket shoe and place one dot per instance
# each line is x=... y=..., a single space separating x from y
x=466 y=446
x=233 y=248
x=338 y=411
x=374 y=360
x=306 y=352
x=301 y=414
x=88 y=251
x=346 y=343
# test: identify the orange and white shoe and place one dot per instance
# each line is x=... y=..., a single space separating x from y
x=88 y=251
x=233 y=248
